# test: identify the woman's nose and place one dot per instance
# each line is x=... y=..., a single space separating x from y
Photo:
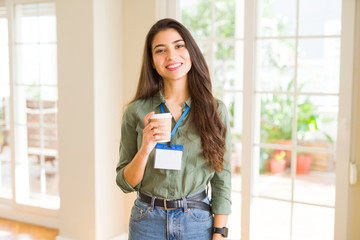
x=171 y=54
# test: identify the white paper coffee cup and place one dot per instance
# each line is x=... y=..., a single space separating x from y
x=166 y=118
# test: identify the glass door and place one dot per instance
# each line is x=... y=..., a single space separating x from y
x=280 y=67
x=296 y=104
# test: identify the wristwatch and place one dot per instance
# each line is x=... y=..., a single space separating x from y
x=223 y=231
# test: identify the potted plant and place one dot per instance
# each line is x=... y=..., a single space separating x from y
x=277 y=163
x=310 y=135
x=276 y=123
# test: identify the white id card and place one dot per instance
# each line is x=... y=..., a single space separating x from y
x=168 y=157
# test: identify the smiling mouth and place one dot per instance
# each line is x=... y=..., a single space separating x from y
x=173 y=67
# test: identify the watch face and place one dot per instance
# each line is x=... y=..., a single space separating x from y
x=226 y=231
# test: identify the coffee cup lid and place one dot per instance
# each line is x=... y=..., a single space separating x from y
x=161 y=115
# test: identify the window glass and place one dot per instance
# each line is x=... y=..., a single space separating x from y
x=36 y=105
x=275 y=68
x=276 y=18
x=319 y=65
x=321 y=17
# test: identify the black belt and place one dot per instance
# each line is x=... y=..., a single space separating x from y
x=192 y=201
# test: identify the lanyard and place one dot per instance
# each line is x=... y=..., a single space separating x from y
x=181 y=118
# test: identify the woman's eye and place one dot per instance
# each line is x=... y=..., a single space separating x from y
x=159 y=51
x=180 y=46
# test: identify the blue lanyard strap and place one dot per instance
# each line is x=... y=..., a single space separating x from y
x=162 y=108
x=181 y=118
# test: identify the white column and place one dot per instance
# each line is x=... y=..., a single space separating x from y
x=100 y=45
x=354 y=191
x=110 y=202
x=76 y=131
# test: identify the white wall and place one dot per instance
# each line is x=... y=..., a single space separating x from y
x=138 y=17
x=76 y=118
x=90 y=100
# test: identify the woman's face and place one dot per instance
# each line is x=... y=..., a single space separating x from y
x=170 y=55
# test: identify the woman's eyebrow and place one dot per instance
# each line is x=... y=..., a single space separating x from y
x=179 y=40
x=163 y=45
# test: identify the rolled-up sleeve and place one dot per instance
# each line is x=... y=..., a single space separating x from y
x=221 y=182
x=128 y=147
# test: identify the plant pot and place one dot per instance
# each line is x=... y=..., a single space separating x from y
x=303 y=164
x=277 y=166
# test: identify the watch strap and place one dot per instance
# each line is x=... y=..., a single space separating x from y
x=223 y=231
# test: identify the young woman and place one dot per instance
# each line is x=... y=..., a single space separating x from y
x=172 y=202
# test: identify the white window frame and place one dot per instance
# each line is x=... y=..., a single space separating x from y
x=343 y=148
x=10 y=208
x=6 y=200
x=343 y=151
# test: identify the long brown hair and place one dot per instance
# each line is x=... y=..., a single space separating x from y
x=203 y=111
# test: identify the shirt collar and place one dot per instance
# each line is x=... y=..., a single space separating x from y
x=187 y=103
x=157 y=99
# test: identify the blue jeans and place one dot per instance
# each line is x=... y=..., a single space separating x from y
x=149 y=222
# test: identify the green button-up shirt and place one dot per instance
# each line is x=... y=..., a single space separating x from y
x=195 y=173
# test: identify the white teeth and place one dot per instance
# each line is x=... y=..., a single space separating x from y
x=174 y=66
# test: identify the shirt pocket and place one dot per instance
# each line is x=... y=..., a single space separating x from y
x=139 y=210
x=200 y=215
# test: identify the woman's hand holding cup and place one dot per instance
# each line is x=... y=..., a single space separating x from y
x=157 y=129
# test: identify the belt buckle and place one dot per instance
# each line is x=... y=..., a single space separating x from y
x=165 y=207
